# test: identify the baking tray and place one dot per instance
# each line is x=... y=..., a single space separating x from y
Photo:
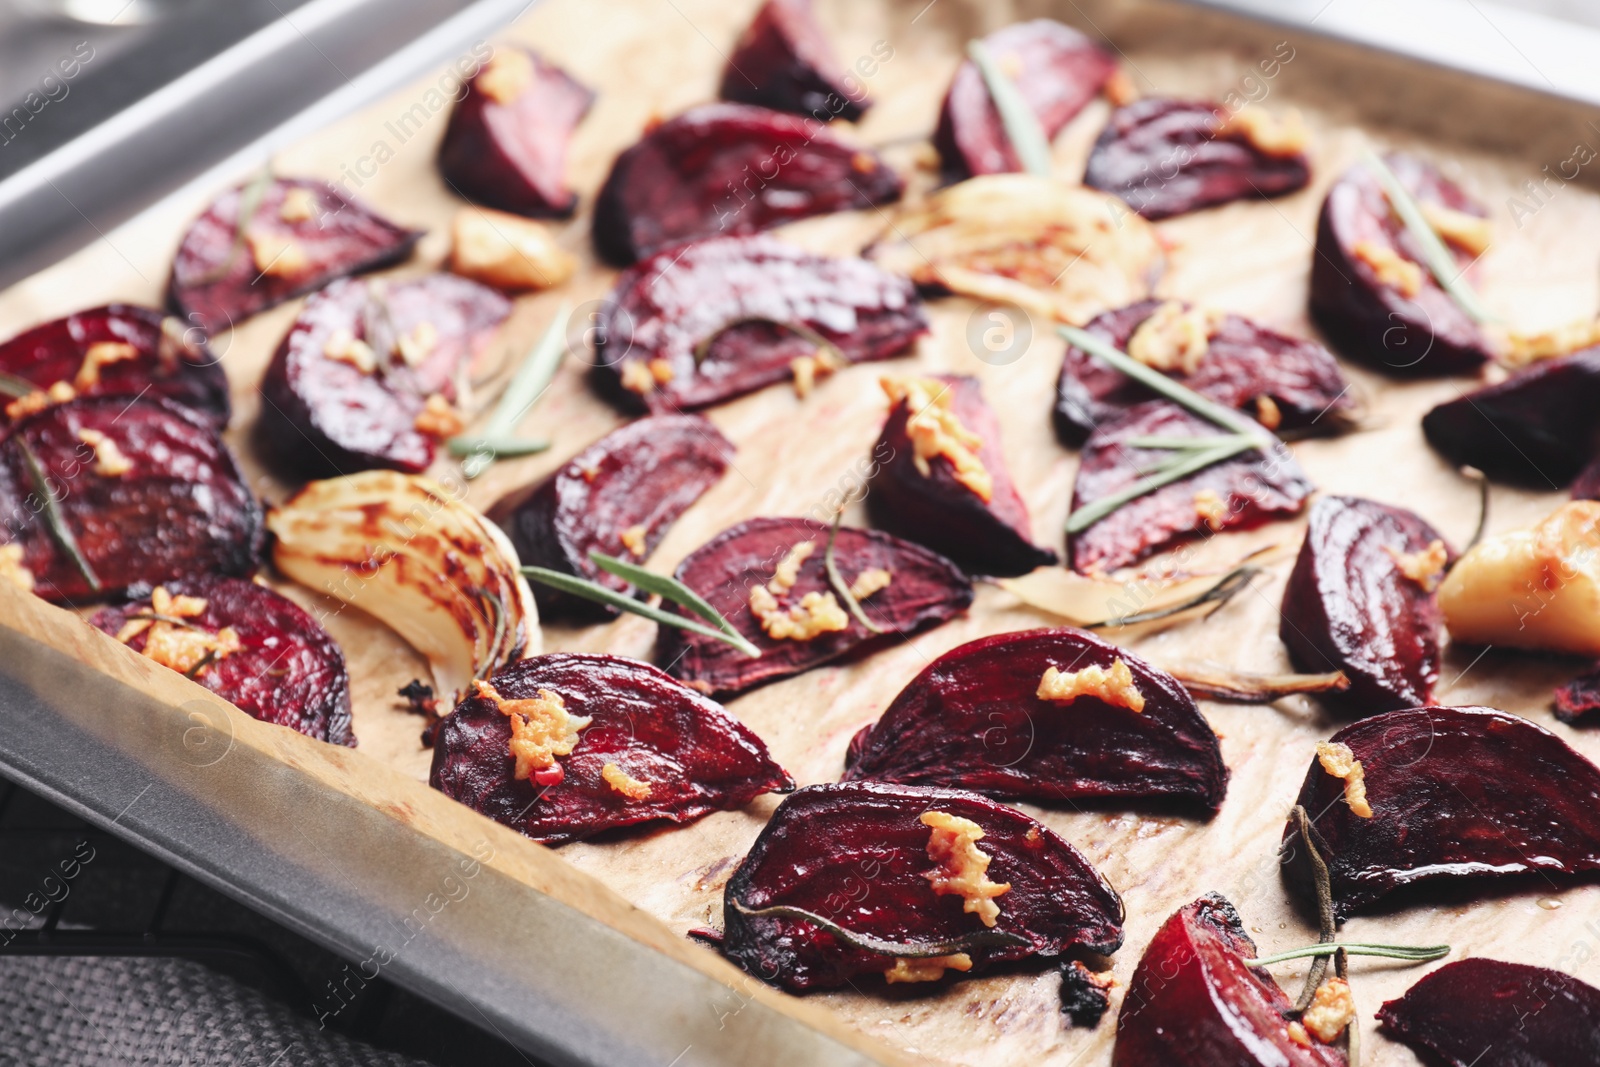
x=578 y=955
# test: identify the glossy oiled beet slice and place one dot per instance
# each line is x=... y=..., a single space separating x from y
x=1165 y=157
x=730 y=169
x=327 y=407
x=145 y=491
x=1455 y=793
x=1192 y=1002
x=1245 y=491
x=1348 y=606
x=620 y=495
x=506 y=144
x=1486 y=1013
x=784 y=62
x=121 y=350
x=938 y=508
x=693 y=756
x=1056 y=69
x=708 y=322
x=856 y=855
x=1243 y=362
x=1374 y=323
x=286 y=669
x=297 y=235
x=924 y=590
x=973 y=719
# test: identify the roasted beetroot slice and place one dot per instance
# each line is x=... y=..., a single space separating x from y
x=1423 y=335
x=322 y=415
x=121 y=350
x=783 y=61
x=973 y=720
x=1578 y=700
x=855 y=854
x=287 y=670
x=1252 y=488
x=1587 y=484
x=936 y=509
x=924 y=590
x=1243 y=363
x=714 y=320
x=620 y=496
x=1164 y=157
x=693 y=756
x=300 y=235
x=1348 y=606
x=178 y=508
x=1057 y=70
x=1192 y=1002
x=506 y=144
x=1456 y=793
x=726 y=170
x=1486 y=1013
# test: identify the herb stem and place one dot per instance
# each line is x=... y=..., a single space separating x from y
x=1416 y=954
x=836 y=580
x=54 y=520
x=1441 y=262
x=527 y=385
x=1196 y=460
x=587 y=590
x=867 y=943
x=16 y=388
x=1021 y=123
x=495 y=447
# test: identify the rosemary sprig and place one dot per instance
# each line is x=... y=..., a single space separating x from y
x=538 y=370
x=1225 y=589
x=1194 y=460
x=1441 y=262
x=1414 y=953
x=1240 y=687
x=494 y=448
x=836 y=580
x=799 y=329
x=867 y=943
x=1022 y=125
x=54 y=520
x=1327 y=924
x=587 y=590
x=1474 y=474
x=249 y=203
x=16 y=388
x=668 y=588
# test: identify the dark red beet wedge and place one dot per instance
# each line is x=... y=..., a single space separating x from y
x=743 y=562
x=506 y=144
x=1348 y=605
x=856 y=856
x=1193 y=1002
x=120 y=350
x=1056 y=69
x=1587 y=485
x=1487 y=1013
x=727 y=316
x=142 y=491
x=620 y=496
x=783 y=61
x=673 y=754
x=299 y=234
x=1410 y=335
x=730 y=169
x=1242 y=362
x=973 y=719
x=1578 y=700
x=1166 y=157
x=1455 y=793
x=285 y=669
x=351 y=384
x=1238 y=493
x=973 y=515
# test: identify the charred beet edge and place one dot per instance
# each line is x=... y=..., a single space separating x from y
x=1455 y=793
x=717 y=319
x=1376 y=324
x=1349 y=607
x=286 y=671
x=1165 y=157
x=159 y=497
x=855 y=855
x=973 y=720
x=620 y=496
x=1577 y=701
x=726 y=170
x=1056 y=69
x=299 y=235
x=1192 y=1002
x=506 y=144
x=783 y=61
x=1493 y=1014
x=1250 y=489
x=924 y=590
x=322 y=414
x=693 y=757
x=121 y=350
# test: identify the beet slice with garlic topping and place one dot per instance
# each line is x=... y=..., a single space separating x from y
x=286 y=670
x=783 y=61
x=653 y=750
x=856 y=855
x=973 y=719
x=297 y=234
x=620 y=496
